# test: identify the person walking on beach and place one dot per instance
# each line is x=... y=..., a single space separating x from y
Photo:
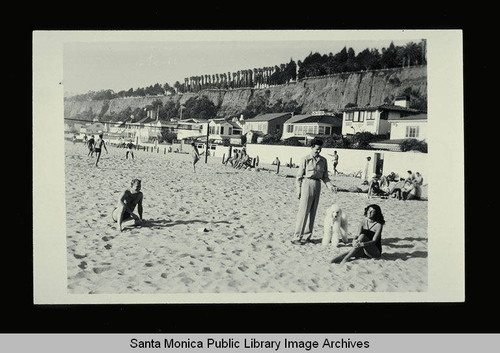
x=124 y=214
x=335 y=162
x=99 y=144
x=368 y=243
x=195 y=155
x=313 y=169
x=130 y=149
x=90 y=145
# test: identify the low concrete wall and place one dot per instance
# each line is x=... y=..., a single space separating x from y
x=350 y=160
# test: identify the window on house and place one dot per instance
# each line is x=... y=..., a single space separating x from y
x=384 y=115
x=412 y=131
x=222 y=130
x=328 y=130
x=370 y=116
x=315 y=131
x=230 y=130
x=289 y=128
x=359 y=116
x=321 y=130
x=349 y=116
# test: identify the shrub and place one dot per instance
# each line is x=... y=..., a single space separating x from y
x=413 y=145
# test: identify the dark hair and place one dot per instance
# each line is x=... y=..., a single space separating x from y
x=192 y=143
x=135 y=181
x=315 y=142
x=379 y=217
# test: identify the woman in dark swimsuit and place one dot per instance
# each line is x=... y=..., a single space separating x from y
x=370 y=233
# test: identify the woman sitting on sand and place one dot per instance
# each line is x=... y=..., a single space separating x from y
x=124 y=214
x=374 y=189
x=369 y=241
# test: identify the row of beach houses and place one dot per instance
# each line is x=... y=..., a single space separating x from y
x=397 y=120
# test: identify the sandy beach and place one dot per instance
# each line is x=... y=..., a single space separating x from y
x=222 y=230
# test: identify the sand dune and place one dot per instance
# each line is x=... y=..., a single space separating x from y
x=222 y=230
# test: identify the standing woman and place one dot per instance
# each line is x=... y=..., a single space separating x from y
x=195 y=155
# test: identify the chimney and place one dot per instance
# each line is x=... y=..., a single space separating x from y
x=402 y=101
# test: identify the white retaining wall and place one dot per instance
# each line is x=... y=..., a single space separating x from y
x=350 y=160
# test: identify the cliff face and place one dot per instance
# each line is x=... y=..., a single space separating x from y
x=332 y=93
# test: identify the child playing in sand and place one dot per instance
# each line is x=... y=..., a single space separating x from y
x=368 y=243
x=124 y=212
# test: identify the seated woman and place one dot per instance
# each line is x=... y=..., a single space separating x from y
x=397 y=189
x=124 y=214
x=374 y=188
x=411 y=190
x=368 y=243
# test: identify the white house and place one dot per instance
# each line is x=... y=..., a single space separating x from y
x=309 y=125
x=377 y=119
x=413 y=126
x=191 y=128
x=222 y=129
x=94 y=128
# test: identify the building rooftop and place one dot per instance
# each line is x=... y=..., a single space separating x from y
x=326 y=119
x=268 y=117
x=387 y=107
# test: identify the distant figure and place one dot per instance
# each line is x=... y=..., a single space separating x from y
x=90 y=145
x=195 y=155
x=243 y=160
x=74 y=139
x=419 y=178
x=410 y=176
x=374 y=188
x=130 y=149
x=124 y=214
x=313 y=169
x=419 y=181
x=99 y=144
x=397 y=190
x=85 y=138
x=335 y=162
x=367 y=170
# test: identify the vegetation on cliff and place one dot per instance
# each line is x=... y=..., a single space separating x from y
x=314 y=65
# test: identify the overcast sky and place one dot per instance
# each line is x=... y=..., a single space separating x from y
x=124 y=62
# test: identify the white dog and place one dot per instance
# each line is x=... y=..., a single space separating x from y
x=335 y=226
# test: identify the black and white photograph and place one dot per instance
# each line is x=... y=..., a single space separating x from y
x=247 y=167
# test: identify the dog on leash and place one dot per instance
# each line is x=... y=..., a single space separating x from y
x=335 y=226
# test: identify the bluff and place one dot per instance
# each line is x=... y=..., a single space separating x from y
x=332 y=92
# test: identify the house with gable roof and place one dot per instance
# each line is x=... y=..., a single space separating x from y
x=264 y=124
x=376 y=119
x=317 y=123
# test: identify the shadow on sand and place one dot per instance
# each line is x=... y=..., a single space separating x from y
x=153 y=223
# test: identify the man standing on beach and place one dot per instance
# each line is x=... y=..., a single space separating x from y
x=99 y=143
x=124 y=212
x=313 y=169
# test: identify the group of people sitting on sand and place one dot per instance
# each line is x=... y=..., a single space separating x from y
x=402 y=189
x=239 y=160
